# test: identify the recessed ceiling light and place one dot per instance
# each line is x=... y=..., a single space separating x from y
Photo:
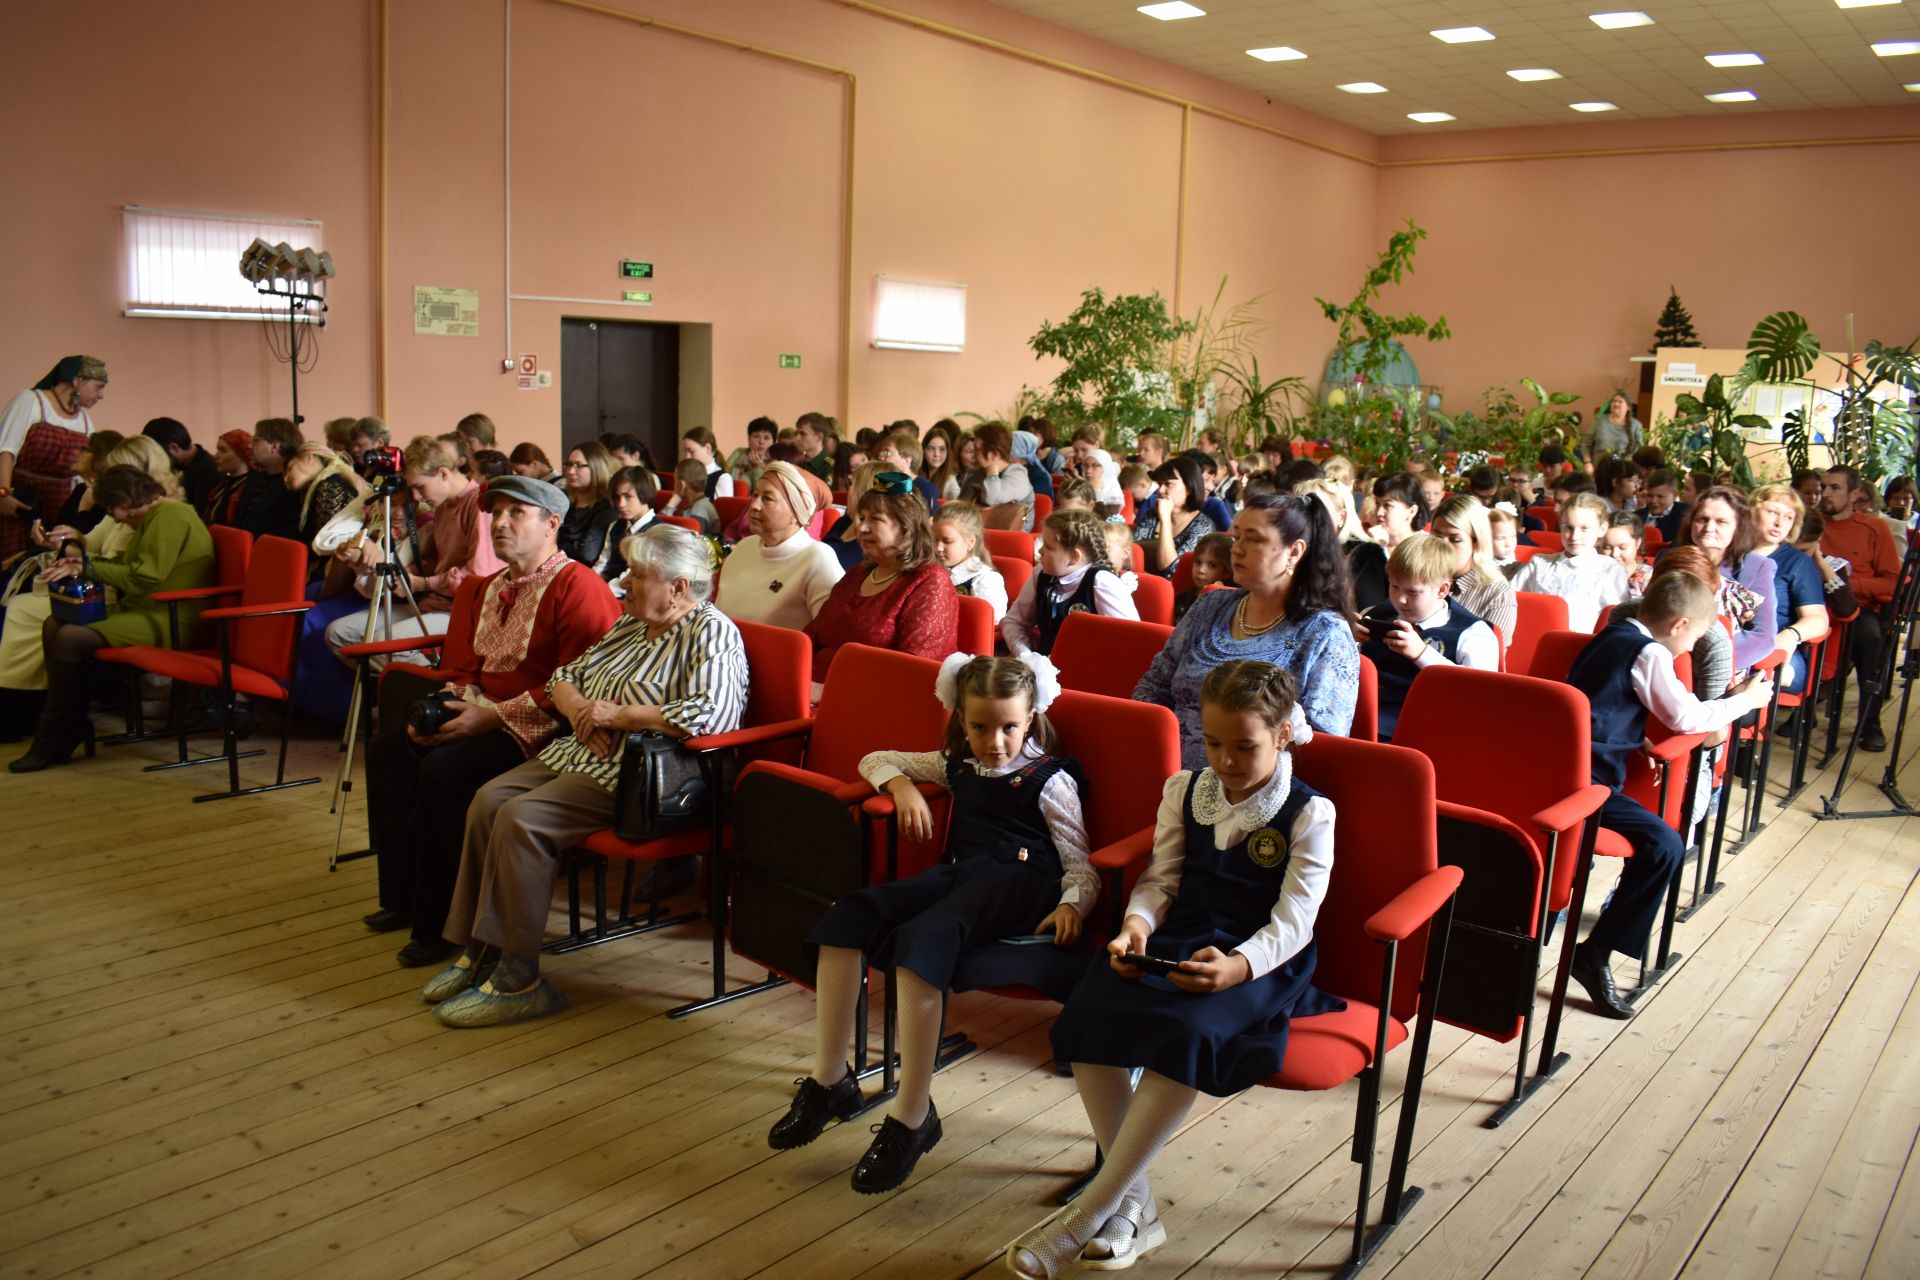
x=1734 y=95
x=1362 y=86
x=1428 y=117
x=1862 y=4
x=1896 y=48
x=1618 y=21
x=1173 y=10
x=1593 y=106
x=1911 y=88
x=1461 y=35
x=1735 y=60
x=1534 y=73
x=1278 y=53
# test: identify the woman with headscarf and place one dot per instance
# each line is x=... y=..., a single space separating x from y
x=233 y=457
x=42 y=431
x=778 y=574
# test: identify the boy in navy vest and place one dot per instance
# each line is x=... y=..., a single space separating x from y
x=1430 y=629
x=1627 y=673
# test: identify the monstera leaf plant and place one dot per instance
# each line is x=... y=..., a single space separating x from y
x=1873 y=419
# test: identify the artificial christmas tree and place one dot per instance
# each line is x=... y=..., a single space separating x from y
x=1675 y=327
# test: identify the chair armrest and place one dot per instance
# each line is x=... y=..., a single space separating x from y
x=1124 y=852
x=1771 y=663
x=1578 y=807
x=257 y=610
x=414 y=669
x=880 y=805
x=1414 y=905
x=846 y=792
x=196 y=593
x=745 y=737
x=1676 y=748
x=374 y=648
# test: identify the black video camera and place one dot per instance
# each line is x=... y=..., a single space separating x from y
x=431 y=714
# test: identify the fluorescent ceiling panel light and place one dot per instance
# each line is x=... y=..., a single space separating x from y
x=1734 y=95
x=1862 y=4
x=1362 y=86
x=1530 y=74
x=1735 y=60
x=1173 y=11
x=1428 y=117
x=1896 y=48
x=1620 y=21
x=1593 y=106
x=1461 y=35
x=1912 y=88
x=1278 y=53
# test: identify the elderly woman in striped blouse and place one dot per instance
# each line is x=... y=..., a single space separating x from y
x=673 y=664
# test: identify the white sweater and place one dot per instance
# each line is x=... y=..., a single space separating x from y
x=782 y=586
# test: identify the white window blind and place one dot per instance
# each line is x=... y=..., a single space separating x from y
x=186 y=264
x=919 y=315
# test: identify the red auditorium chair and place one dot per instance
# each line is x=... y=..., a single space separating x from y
x=977 y=627
x=731 y=509
x=1386 y=888
x=1366 y=704
x=1097 y=654
x=232 y=551
x=1546 y=514
x=1042 y=508
x=1535 y=614
x=1016 y=572
x=1517 y=823
x=1009 y=542
x=874 y=699
x=1546 y=541
x=255 y=645
x=1153 y=598
x=684 y=522
x=779 y=690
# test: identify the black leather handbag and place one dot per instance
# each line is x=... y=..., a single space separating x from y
x=662 y=789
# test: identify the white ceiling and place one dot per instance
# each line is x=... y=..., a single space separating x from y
x=1817 y=55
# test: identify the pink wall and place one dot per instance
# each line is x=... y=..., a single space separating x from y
x=189 y=110
x=1557 y=269
x=725 y=169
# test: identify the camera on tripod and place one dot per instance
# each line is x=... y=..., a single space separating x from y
x=383 y=467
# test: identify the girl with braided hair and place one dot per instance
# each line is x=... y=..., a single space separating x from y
x=1241 y=856
x=1016 y=864
x=1075 y=576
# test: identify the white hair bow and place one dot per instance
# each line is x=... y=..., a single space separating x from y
x=1046 y=679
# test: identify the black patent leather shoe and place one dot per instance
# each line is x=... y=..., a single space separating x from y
x=813 y=1105
x=386 y=920
x=895 y=1150
x=1597 y=977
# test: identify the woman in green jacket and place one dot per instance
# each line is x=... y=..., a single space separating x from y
x=171 y=550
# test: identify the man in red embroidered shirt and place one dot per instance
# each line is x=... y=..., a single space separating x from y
x=1867 y=545
x=508 y=633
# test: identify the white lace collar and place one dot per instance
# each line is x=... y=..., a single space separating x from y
x=1211 y=806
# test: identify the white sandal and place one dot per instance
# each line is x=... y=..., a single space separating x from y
x=1053 y=1244
x=1125 y=1247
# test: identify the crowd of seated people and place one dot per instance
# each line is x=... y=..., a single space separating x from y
x=567 y=610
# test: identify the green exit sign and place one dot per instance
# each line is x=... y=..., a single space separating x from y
x=636 y=295
x=789 y=362
x=632 y=270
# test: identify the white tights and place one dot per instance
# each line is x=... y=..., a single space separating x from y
x=837 y=991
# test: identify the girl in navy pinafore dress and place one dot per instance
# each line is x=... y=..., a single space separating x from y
x=1241 y=856
x=1016 y=865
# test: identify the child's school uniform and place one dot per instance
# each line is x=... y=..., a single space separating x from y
x=1245 y=877
x=1588 y=583
x=1455 y=636
x=1034 y=619
x=1627 y=675
x=974 y=577
x=1016 y=849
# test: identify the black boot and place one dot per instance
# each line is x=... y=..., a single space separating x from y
x=64 y=723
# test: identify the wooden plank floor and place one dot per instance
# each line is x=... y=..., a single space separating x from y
x=214 y=1070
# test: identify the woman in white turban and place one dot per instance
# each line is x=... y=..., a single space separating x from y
x=778 y=574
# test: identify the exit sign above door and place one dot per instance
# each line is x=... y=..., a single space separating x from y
x=789 y=362
x=631 y=270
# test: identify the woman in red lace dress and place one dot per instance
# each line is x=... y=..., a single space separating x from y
x=900 y=597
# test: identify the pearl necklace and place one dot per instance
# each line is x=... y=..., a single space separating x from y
x=1248 y=631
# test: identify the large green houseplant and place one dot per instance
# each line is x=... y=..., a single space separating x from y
x=1869 y=431
x=1117 y=365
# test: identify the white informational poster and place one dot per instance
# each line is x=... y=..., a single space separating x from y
x=446 y=313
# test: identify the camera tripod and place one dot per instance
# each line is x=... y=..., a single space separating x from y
x=1899 y=656
x=390 y=586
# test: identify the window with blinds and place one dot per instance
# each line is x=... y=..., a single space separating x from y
x=187 y=264
x=919 y=315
